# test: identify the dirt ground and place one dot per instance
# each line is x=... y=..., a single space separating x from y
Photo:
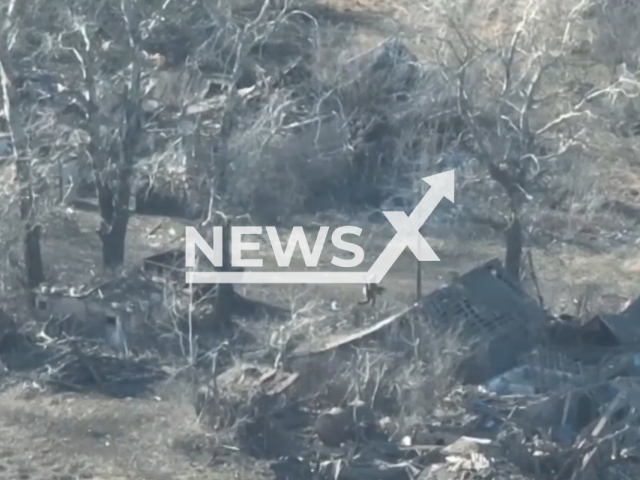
x=69 y=436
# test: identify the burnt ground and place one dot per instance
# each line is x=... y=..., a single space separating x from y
x=49 y=435
x=46 y=435
x=73 y=435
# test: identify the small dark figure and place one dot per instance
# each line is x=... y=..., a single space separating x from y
x=335 y=427
x=339 y=426
x=371 y=291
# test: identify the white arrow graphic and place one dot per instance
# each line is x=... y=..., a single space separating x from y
x=408 y=228
x=408 y=235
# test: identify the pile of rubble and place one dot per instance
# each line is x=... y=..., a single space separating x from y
x=538 y=396
x=532 y=395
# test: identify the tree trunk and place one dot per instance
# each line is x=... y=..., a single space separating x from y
x=113 y=242
x=114 y=194
x=33 y=267
x=114 y=212
x=32 y=256
x=513 y=240
x=513 y=235
x=34 y=270
x=114 y=208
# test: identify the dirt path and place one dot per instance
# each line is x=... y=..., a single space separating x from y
x=69 y=436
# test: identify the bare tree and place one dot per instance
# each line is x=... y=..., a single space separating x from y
x=112 y=158
x=504 y=127
x=34 y=272
x=214 y=171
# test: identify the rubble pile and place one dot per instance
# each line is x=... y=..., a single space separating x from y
x=528 y=395
x=538 y=396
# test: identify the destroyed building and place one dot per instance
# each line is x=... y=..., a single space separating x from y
x=492 y=313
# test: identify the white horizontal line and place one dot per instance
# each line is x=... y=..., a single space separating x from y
x=279 y=277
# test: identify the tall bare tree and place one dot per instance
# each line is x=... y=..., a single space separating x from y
x=34 y=272
x=112 y=159
x=504 y=128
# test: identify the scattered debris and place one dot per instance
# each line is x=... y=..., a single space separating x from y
x=495 y=317
x=538 y=396
x=531 y=412
x=166 y=264
x=85 y=370
x=613 y=329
